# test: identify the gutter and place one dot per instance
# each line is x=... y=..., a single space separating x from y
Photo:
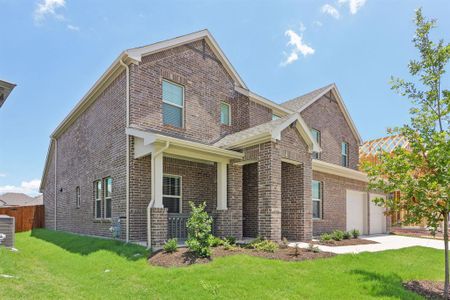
x=127 y=188
x=152 y=201
x=56 y=187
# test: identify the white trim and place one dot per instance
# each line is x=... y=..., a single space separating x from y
x=139 y=52
x=229 y=113
x=104 y=198
x=222 y=186
x=245 y=162
x=324 y=167
x=98 y=199
x=276 y=108
x=290 y=161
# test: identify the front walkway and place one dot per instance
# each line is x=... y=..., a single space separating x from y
x=385 y=242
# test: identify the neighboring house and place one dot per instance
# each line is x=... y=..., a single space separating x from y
x=173 y=122
x=19 y=199
x=5 y=90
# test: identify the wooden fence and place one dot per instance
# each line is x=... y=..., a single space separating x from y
x=27 y=217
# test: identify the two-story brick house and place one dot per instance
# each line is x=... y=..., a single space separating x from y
x=173 y=122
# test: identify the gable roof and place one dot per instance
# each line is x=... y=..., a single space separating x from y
x=301 y=103
x=268 y=131
x=5 y=90
x=19 y=199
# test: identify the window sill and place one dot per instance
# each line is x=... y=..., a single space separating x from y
x=174 y=128
x=102 y=220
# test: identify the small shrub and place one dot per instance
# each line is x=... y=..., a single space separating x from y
x=215 y=241
x=228 y=246
x=325 y=237
x=347 y=235
x=231 y=240
x=313 y=248
x=171 y=246
x=199 y=230
x=337 y=235
x=252 y=244
x=284 y=243
x=266 y=246
x=355 y=233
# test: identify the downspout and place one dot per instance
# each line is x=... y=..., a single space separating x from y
x=127 y=180
x=152 y=201
x=56 y=186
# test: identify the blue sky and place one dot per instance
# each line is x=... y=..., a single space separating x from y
x=54 y=50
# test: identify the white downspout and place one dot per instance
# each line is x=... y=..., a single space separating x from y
x=127 y=184
x=152 y=201
x=56 y=186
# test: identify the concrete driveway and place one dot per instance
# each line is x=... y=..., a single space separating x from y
x=385 y=242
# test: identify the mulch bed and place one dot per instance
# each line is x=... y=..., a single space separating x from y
x=183 y=257
x=421 y=233
x=426 y=288
x=349 y=242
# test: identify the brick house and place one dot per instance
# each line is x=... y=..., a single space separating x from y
x=173 y=122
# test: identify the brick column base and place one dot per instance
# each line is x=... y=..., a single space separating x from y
x=228 y=223
x=158 y=226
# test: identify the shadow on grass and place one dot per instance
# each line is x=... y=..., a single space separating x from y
x=390 y=285
x=85 y=245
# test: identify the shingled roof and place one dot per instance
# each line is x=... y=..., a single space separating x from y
x=300 y=103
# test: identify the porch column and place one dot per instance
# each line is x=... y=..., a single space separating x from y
x=222 y=186
x=157 y=175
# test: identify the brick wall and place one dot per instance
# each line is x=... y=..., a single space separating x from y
x=326 y=116
x=250 y=200
x=334 y=201
x=92 y=148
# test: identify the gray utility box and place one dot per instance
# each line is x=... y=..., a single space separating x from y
x=7 y=227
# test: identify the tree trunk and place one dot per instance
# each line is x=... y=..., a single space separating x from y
x=446 y=255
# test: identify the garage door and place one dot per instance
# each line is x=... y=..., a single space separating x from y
x=356 y=207
x=377 y=217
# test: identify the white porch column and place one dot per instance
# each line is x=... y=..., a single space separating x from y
x=221 y=186
x=157 y=175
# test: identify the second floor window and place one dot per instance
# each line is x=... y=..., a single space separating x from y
x=108 y=198
x=98 y=199
x=173 y=103
x=275 y=117
x=344 y=154
x=225 y=117
x=316 y=136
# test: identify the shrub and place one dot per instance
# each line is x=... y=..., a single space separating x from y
x=252 y=244
x=171 y=246
x=325 y=237
x=313 y=248
x=265 y=245
x=337 y=235
x=355 y=233
x=347 y=235
x=284 y=243
x=231 y=240
x=199 y=231
x=215 y=241
x=228 y=246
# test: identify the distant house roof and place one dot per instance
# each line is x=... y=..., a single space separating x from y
x=5 y=90
x=19 y=199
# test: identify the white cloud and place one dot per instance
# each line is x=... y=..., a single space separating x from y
x=298 y=47
x=302 y=27
x=27 y=187
x=330 y=10
x=48 y=8
x=73 y=27
x=317 y=23
x=2 y=175
x=354 y=5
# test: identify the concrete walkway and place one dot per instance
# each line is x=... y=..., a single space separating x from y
x=385 y=242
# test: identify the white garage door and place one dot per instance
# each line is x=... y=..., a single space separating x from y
x=377 y=217
x=356 y=203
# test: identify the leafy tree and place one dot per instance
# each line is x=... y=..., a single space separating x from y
x=422 y=172
x=199 y=231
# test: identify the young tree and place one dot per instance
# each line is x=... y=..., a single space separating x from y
x=422 y=172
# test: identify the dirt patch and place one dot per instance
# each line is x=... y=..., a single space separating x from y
x=426 y=288
x=349 y=242
x=421 y=233
x=183 y=257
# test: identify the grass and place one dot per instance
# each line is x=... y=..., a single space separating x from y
x=60 y=265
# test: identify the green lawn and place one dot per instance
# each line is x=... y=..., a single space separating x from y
x=58 y=265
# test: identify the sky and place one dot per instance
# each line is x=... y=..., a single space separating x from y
x=54 y=50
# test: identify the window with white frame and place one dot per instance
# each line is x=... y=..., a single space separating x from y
x=275 y=117
x=316 y=136
x=77 y=197
x=344 y=154
x=317 y=198
x=108 y=197
x=173 y=103
x=98 y=199
x=172 y=193
x=225 y=113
